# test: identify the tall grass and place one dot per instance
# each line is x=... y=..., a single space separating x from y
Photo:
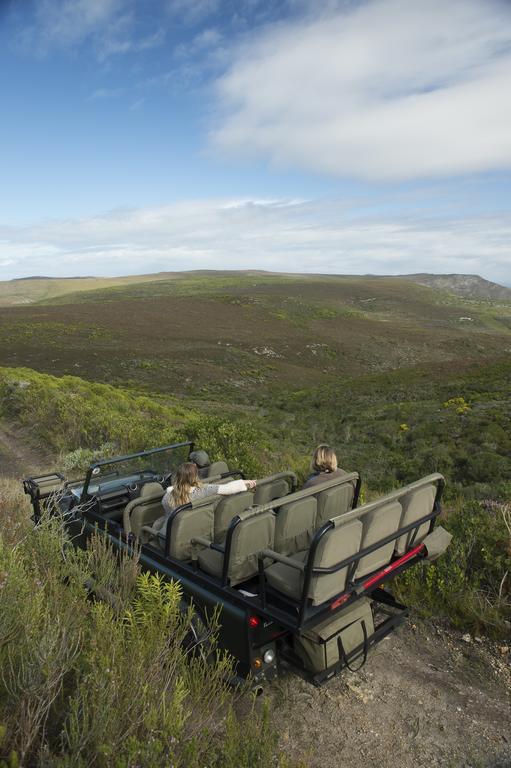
x=109 y=683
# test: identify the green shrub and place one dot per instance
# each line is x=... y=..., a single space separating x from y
x=110 y=683
x=82 y=420
x=470 y=584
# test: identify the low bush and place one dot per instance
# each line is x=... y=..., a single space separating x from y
x=110 y=683
x=471 y=584
x=75 y=417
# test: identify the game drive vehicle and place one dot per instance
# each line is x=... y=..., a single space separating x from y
x=299 y=576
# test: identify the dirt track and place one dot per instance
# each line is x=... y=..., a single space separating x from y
x=425 y=698
x=17 y=457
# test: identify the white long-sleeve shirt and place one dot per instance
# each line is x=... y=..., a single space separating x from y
x=198 y=492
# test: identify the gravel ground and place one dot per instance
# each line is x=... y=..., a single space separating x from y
x=426 y=697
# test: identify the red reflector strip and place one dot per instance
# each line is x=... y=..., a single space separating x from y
x=379 y=576
x=396 y=564
x=340 y=600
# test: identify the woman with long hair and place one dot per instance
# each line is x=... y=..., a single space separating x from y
x=323 y=466
x=188 y=487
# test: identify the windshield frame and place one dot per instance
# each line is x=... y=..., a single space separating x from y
x=118 y=459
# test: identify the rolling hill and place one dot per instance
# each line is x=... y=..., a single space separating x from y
x=238 y=335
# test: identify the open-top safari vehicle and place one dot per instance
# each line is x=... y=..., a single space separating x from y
x=299 y=576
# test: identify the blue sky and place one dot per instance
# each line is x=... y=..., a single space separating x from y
x=342 y=137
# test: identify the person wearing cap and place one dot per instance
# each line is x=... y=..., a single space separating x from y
x=187 y=486
x=202 y=460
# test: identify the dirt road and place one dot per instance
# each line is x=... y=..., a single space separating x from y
x=17 y=456
x=425 y=698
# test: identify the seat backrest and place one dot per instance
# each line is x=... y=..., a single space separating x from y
x=334 y=501
x=271 y=488
x=227 y=508
x=217 y=468
x=188 y=523
x=295 y=525
x=143 y=510
x=337 y=544
x=416 y=504
x=335 y=495
x=254 y=531
x=381 y=522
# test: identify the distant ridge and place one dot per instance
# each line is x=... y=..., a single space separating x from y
x=44 y=277
x=469 y=286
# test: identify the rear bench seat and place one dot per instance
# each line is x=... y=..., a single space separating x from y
x=342 y=540
x=347 y=534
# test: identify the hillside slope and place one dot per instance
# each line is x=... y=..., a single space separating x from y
x=469 y=286
x=425 y=698
x=234 y=336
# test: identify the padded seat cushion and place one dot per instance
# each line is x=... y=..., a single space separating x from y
x=285 y=579
x=227 y=508
x=382 y=522
x=211 y=561
x=143 y=510
x=416 y=504
x=333 y=502
x=252 y=533
x=266 y=492
x=217 y=468
x=187 y=524
x=337 y=544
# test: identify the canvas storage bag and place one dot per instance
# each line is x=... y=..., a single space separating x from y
x=334 y=639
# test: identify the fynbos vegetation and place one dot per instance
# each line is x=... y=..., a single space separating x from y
x=113 y=682
x=390 y=374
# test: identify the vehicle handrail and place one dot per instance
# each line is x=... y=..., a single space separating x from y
x=208 y=544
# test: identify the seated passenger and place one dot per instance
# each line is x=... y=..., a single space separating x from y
x=187 y=487
x=202 y=460
x=324 y=466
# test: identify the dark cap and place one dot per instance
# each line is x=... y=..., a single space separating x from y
x=200 y=458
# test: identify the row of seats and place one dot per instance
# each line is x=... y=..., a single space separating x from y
x=211 y=517
x=285 y=524
x=146 y=508
x=286 y=558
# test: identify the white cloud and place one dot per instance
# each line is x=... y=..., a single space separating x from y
x=278 y=235
x=383 y=89
x=106 y=93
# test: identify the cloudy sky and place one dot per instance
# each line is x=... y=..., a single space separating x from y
x=335 y=136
